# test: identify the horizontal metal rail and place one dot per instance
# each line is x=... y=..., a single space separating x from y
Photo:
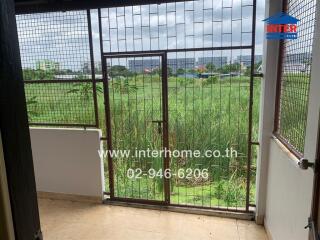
x=188 y=208
x=289 y=146
x=128 y=53
x=58 y=81
x=63 y=125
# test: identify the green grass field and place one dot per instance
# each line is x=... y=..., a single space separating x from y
x=203 y=115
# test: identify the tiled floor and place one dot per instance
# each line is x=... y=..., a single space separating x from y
x=66 y=220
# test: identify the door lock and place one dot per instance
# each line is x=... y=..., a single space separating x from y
x=304 y=164
x=159 y=122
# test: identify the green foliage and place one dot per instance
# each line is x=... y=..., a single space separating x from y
x=180 y=71
x=192 y=71
x=210 y=67
x=248 y=70
x=234 y=67
x=85 y=90
x=184 y=81
x=122 y=86
x=200 y=118
x=31 y=74
x=170 y=71
x=210 y=80
x=31 y=106
x=118 y=70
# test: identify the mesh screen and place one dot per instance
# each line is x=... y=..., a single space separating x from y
x=192 y=24
x=55 y=56
x=60 y=103
x=296 y=75
x=54 y=45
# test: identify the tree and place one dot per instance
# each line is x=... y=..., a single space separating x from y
x=180 y=71
x=192 y=71
x=170 y=71
x=234 y=67
x=210 y=67
x=118 y=70
x=248 y=70
x=201 y=69
x=31 y=74
x=85 y=89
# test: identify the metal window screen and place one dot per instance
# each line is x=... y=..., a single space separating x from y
x=181 y=25
x=295 y=76
x=57 y=70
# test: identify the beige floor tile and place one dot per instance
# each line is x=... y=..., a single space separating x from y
x=66 y=220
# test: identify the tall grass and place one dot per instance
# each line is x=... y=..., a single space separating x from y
x=203 y=115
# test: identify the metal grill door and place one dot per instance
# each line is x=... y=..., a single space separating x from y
x=136 y=124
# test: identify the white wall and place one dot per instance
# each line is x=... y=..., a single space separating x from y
x=289 y=189
x=267 y=106
x=67 y=161
x=289 y=193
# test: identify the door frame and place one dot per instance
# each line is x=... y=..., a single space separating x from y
x=165 y=121
x=313 y=221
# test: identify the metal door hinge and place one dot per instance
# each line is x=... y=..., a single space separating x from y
x=258 y=75
x=38 y=235
x=312 y=229
x=310 y=224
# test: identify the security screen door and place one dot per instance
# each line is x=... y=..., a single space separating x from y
x=137 y=125
x=180 y=77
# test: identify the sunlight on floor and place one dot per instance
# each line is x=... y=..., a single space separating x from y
x=66 y=220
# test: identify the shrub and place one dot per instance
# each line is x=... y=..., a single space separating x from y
x=210 y=80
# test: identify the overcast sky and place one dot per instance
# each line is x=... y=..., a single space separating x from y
x=62 y=37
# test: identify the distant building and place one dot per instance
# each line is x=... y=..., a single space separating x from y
x=297 y=62
x=295 y=67
x=218 y=62
x=150 y=64
x=98 y=67
x=143 y=65
x=246 y=59
x=298 y=58
x=47 y=65
x=181 y=63
x=86 y=68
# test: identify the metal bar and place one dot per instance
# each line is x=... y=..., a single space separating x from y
x=134 y=54
x=133 y=200
x=58 y=81
x=279 y=76
x=228 y=209
x=93 y=74
x=166 y=164
x=63 y=125
x=109 y=54
x=27 y=7
x=152 y=203
x=288 y=145
x=278 y=87
x=249 y=153
x=107 y=110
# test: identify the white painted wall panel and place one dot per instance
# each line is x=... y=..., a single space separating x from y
x=289 y=193
x=67 y=161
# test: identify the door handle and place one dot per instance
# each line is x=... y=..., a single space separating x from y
x=304 y=164
x=159 y=122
